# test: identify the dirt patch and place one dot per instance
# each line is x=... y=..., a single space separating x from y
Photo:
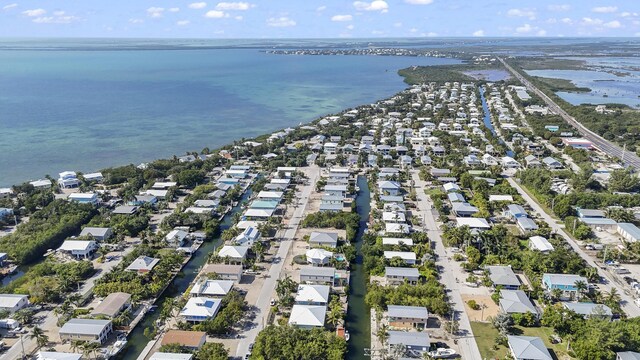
x=482 y=315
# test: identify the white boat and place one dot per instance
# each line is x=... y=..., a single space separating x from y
x=346 y=335
x=442 y=353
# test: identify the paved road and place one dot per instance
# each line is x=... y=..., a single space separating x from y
x=15 y=352
x=466 y=343
x=269 y=286
x=628 y=157
x=612 y=282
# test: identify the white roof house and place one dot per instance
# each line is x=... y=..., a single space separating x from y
x=540 y=243
x=234 y=252
x=312 y=294
x=307 y=316
x=212 y=288
x=98 y=233
x=53 y=355
x=516 y=301
x=397 y=228
x=13 y=302
x=79 y=248
x=409 y=257
x=274 y=195
x=176 y=237
x=248 y=237
x=170 y=356
x=329 y=239
x=318 y=256
x=474 y=223
x=200 y=309
x=528 y=348
x=96 y=330
x=143 y=264
x=397 y=241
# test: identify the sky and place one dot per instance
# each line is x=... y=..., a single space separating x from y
x=318 y=19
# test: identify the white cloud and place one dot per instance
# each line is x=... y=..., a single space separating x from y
x=431 y=34
x=541 y=32
x=567 y=21
x=59 y=19
x=155 y=12
x=58 y=13
x=587 y=21
x=215 y=14
x=35 y=12
x=282 y=21
x=350 y=27
x=376 y=5
x=561 y=7
x=613 y=24
x=413 y=30
x=627 y=14
x=198 y=5
x=605 y=9
x=9 y=6
x=239 y=17
x=174 y=9
x=528 y=13
x=341 y=18
x=321 y=8
x=136 y=21
x=234 y=6
x=183 y=22
x=419 y=2
x=526 y=28
x=478 y=33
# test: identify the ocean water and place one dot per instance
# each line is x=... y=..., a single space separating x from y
x=606 y=84
x=82 y=110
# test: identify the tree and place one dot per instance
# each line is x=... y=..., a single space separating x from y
x=623 y=180
x=503 y=323
x=212 y=351
x=582 y=287
x=284 y=288
x=383 y=334
x=38 y=334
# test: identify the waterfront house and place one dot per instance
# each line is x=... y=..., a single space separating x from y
x=394 y=217
x=81 y=249
x=418 y=342
x=503 y=276
x=336 y=190
x=233 y=254
x=170 y=356
x=317 y=275
x=516 y=302
x=318 y=257
x=68 y=180
x=307 y=316
x=56 y=355
x=389 y=241
x=248 y=237
x=328 y=239
x=90 y=330
x=176 y=238
x=198 y=309
x=564 y=282
x=211 y=288
x=143 y=264
x=192 y=340
x=541 y=244
x=41 y=184
x=205 y=203
x=407 y=317
x=397 y=228
x=224 y=271
x=5 y=193
x=163 y=185
x=528 y=348
x=84 y=198
x=389 y=187
x=270 y=195
x=112 y=305
x=312 y=295
x=13 y=302
x=97 y=233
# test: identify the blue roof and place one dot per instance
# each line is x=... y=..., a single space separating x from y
x=264 y=204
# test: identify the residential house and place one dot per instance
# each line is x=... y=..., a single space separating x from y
x=532 y=162
x=515 y=211
x=503 y=276
x=312 y=295
x=589 y=310
x=628 y=355
x=528 y=348
x=233 y=254
x=552 y=163
x=13 y=302
x=564 y=282
x=389 y=187
x=318 y=257
x=143 y=264
x=388 y=241
x=211 y=288
x=455 y=197
x=248 y=237
x=323 y=239
x=508 y=162
x=451 y=187
x=198 y=309
x=464 y=209
x=516 y=302
x=317 y=275
x=90 y=330
x=81 y=249
x=84 y=198
x=125 y=210
x=473 y=223
x=409 y=257
x=55 y=355
x=170 y=356
x=68 y=180
x=418 y=342
x=224 y=271
x=192 y=340
x=41 y=184
x=176 y=238
x=400 y=275
x=526 y=225
x=112 y=305
x=407 y=317
x=541 y=244
x=307 y=316
x=97 y=233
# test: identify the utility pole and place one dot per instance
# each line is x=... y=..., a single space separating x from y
x=22 y=344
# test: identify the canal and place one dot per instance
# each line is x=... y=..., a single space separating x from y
x=137 y=341
x=489 y=124
x=358 y=321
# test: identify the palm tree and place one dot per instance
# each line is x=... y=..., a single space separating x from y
x=613 y=297
x=38 y=334
x=582 y=287
x=383 y=334
x=591 y=274
x=556 y=294
x=76 y=344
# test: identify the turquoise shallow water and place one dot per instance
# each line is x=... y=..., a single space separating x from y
x=86 y=110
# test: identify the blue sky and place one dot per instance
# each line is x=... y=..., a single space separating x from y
x=317 y=19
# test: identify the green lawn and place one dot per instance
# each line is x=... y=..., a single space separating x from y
x=486 y=334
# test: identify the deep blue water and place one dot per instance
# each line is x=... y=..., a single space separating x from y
x=86 y=110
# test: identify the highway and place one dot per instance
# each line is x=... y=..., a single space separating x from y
x=628 y=158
